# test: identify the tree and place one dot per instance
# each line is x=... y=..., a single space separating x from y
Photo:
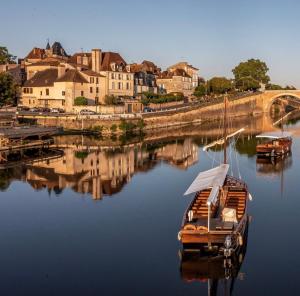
x=219 y=85
x=271 y=86
x=290 y=87
x=247 y=83
x=200 y=91
x=6 y=57
x=8 y=89
x=111 y=100
x=80 y=101
x=253 y=68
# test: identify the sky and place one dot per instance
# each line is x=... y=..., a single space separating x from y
x=212 y=35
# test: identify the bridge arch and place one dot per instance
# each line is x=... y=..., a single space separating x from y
x=272 y=97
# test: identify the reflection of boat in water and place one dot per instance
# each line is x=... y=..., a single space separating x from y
x=273 y=166
x=216 y=219
x=220 y=273
x=278 y=144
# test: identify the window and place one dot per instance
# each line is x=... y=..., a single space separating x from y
x=31 y=90
x=47 y=91
x=63 y=102
x=63 y=93
x=91 y=89
x=127 y=85
x=120 y=76
x=82 y=93
x=96 y=100
x=91 y=79
x=97 y=80
x=119 y=85
x=97 y=90
x=29 y=101
x=113 y=85
x=41 y=92
x=127 y=77
x=112 y=76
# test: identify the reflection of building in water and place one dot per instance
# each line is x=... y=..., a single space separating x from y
x=106 y=171
x=181 y=156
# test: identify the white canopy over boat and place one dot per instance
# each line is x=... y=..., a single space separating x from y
x=275 y=135
x=213 y=178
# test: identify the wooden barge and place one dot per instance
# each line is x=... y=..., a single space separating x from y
x=278 y=144
x=216 y=219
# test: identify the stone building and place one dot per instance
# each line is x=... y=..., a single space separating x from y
x=58 y=88
x=189 y=69
x=176 y=81
x=55 y=79
x=145 y=77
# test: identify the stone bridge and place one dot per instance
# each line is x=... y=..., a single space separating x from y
x=264 y=100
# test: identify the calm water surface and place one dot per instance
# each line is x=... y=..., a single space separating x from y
x=104 y=221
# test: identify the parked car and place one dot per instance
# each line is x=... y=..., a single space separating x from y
x=22 y=108
x=148 y=109
x=57 y=110
x=87 y=112
x=45 y=110
x=34 y=109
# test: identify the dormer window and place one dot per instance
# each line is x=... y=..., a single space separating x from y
x=128 y=68
x=113 y=66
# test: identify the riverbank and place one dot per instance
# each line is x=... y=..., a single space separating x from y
x=192 y=114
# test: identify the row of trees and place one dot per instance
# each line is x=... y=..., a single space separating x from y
x=248 y=75
x=148 y=97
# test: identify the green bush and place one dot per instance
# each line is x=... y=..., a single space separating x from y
x=140 y=124
x=80 y=101
x=126 y=126
x=111 y=100
x=98 y=128
x=113 y=128
x=149 y=98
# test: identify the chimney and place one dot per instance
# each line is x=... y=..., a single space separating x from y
x=96 y=60
x=61 y=70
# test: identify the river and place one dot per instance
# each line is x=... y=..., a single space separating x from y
x=96 y=217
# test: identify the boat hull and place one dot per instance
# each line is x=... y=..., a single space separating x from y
x=196 y=240
x=271 y=150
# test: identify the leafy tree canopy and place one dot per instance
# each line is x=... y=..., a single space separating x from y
x=111 y=100
x=219 y=85
x=253 y=68
x=8 y=89
x=200 y=91
x=271 y=86
x=80 y=101
x=247 y=83
x=6 y=57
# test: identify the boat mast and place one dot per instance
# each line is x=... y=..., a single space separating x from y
x=225 y=127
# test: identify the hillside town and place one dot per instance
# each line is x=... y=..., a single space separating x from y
x=51 y=79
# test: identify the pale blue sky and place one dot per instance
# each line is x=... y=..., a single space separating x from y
x=213 y=35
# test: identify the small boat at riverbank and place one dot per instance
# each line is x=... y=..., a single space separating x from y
x=277 y=144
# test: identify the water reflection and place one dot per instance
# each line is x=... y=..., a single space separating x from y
x=273 y=167
x=94 y=169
